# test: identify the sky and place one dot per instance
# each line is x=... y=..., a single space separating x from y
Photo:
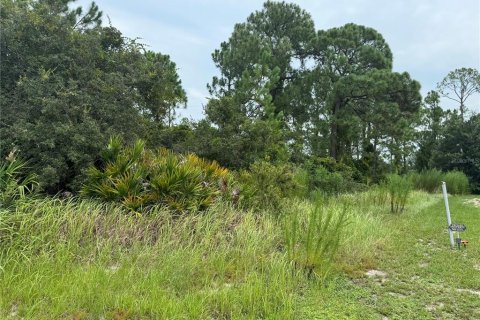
x=428 y=38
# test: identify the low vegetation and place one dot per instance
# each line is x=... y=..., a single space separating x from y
x=83 y=259
x=309 y=191
x=399 y=188
x=15 y=184
x=140 y=178
x=431 y=181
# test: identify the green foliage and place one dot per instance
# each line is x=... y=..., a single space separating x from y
x=459 y=149
x=457 y=182
x=266 y=184
x=15 y=184
x=140 y=178
x=348 y=99
x=312 y=240
x=68 y=84
x=427 y=180
x=431 y=181
x=332 y=177
x=432 y=118
x=399 y=188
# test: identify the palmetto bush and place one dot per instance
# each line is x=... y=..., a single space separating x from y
x=140 y=178
x=14 y=184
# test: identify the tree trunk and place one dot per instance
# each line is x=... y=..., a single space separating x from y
x=334 y=132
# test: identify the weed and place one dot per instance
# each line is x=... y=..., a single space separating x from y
x=399 y=188
x=312 y=240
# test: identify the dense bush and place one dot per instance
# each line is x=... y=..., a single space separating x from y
x=68 y=84
x=331 y=177
x=140 y=178
x=459 y=149
x=266 y=184
x=399 y=188
x=457 y=182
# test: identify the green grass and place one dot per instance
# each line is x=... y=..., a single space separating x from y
x=67 y=260
x=85 y=260
x=425 y=279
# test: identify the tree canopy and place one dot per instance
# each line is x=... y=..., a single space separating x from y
x=331 y=92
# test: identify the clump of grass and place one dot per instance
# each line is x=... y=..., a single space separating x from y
x=427 y=180
x=399 y=188
x=457 y=182
x=312 y=240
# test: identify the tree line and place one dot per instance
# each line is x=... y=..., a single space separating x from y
x=285 y=92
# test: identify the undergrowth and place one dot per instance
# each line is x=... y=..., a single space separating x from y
x=84 y=259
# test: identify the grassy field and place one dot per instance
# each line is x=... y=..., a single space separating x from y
x=83 y=260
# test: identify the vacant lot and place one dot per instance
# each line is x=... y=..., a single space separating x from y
x=83 y=260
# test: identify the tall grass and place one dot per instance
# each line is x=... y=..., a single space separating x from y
x=457 y=182
x=82 y=260
x=312 y=240
x=431 y=181
x=428 y=180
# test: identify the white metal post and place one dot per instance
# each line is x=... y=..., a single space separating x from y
x=449 y=220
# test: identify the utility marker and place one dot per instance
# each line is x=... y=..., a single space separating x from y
x=449 y=220
x=453 y=227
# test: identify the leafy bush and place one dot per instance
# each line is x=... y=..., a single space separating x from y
x=313 y=239
x=266 y=184
x=457 y=182
x=14 y=184
x=140 y=178
x=428 y=180
x=331 y=177
x=399 y=188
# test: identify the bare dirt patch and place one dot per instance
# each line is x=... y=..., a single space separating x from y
x=475 y=202
x=471 y=291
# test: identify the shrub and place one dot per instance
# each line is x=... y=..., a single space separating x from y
x=428 y=180
x=266 y=184
x=140 y=178
x=14 y=184
x=399 y=188
x=331 y=177
x=333 y=183
x=312 y=240
x=457 y=182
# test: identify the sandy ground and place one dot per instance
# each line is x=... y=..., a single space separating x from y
x=475 y=202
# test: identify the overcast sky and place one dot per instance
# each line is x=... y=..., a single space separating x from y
x=428 y=38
